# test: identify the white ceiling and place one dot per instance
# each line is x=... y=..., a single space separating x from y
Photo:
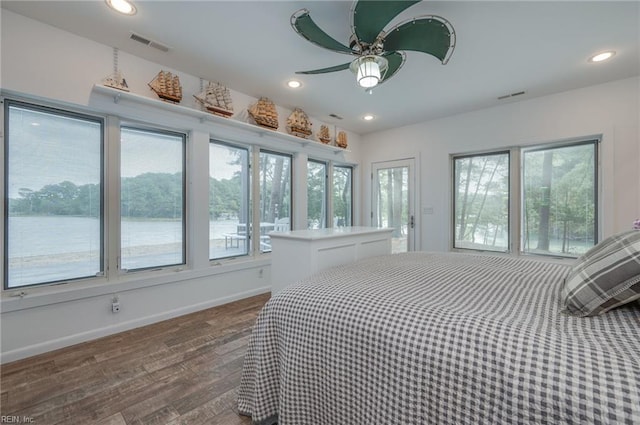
x=502 y=47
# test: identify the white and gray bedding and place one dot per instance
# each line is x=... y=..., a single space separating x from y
x=425 y=338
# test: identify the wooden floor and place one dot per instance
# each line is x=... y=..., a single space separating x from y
x=180 y=371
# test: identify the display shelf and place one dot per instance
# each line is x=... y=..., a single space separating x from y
x=203 y=116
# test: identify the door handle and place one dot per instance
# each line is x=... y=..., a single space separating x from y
x=412 y=222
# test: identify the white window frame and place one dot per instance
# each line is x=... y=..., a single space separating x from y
x=331 y=183
x=509 y=153
x=247 y=196
x=185 y=236
x=255 y=190
x=69 y=113
x=595 y=141
x=327 y=222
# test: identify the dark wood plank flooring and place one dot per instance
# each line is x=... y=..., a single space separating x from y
x=180 y=371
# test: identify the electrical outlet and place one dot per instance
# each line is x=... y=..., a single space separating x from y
x=115 y=307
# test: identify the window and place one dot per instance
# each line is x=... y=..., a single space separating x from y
x=228 y=200
x=342 y=198
x=481 y=202
x=152 y=199
x=275 y=195
x=554 y=203
x=559 y=199
x=53 y=196
x=316 y=194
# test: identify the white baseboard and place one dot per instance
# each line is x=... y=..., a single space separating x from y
x=46 y=346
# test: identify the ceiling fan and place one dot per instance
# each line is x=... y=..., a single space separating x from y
x=379 y=53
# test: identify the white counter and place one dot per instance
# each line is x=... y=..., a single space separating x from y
x=299 y=253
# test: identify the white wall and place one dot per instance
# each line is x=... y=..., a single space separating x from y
x=610 y=110
x=55 y=67
x=47 y=62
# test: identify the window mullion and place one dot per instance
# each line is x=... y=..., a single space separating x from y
x=255 y=200
x=515 y=202
x=329 y=194
x=112 y=196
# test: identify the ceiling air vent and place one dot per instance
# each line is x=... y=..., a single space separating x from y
x=147 y=42
x=335 y=116
x=507 y=96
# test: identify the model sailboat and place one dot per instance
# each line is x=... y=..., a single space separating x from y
x=341 y=139
x=298 y=123
x=264 y=113
x=323 y=135
x=216 y=99
x=167 y=86
x=116 y=81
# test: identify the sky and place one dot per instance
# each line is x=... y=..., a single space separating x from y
x=46 y=149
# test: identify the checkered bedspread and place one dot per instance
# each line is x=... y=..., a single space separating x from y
x=425 y=338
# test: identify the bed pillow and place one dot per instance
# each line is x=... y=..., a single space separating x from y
x=605 y=277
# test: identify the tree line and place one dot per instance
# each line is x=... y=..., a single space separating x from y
x=159 y=195
x=148 y=195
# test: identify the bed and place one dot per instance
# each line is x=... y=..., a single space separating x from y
x=440 y=338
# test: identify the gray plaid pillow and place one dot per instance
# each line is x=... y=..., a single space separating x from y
x=605 y=277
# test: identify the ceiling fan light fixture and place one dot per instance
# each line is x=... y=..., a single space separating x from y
x=368 y=74
x=369 y=70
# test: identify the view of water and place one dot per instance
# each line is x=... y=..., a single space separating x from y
x=52 y=248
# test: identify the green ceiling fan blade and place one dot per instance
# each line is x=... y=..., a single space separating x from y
x=370 y=17
x=395 y=61
x=325 y=70
x=429 y=34
x=304 y=25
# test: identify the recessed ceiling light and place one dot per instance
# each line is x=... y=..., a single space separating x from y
x=368 y=117
x=122 y=6
x=294 y=84
x=602 y=56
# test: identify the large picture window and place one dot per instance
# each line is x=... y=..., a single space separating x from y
x=228 y=200
x=553 y=197
x=559 y=199
x=152 y=199
x=481 y=202
x=59 y=227
x=53 y=196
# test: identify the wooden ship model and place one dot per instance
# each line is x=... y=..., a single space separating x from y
x=323 y=135
x=341 y=139
x=167 y=86
x=116 y=81
x=298 y=123
x=264 y=113
x=216 y=99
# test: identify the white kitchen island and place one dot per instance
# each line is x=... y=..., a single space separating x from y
x=297 y=254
